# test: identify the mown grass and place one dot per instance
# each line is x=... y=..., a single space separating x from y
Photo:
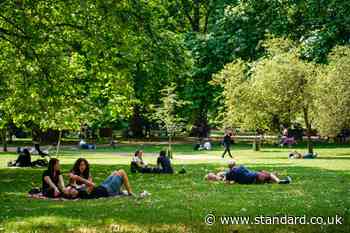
x=179 y=203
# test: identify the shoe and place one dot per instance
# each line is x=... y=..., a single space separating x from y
x=182 y=171
x=288 y=180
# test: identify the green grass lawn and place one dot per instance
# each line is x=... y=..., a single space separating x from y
x=179 y=203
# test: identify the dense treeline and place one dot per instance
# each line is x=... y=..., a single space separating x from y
x=102 y=63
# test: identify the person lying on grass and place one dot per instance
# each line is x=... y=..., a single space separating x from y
x=52 y=181
x=79 y=176
x=297 y=155
x=242 y=175
x=110 y=187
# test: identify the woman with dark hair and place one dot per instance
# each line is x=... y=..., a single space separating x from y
x=53 y=184
x=80 y=175
x=164 y=163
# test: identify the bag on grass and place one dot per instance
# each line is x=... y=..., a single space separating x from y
x=35 y=190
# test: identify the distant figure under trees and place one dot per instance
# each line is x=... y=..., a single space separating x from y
x=227 y=141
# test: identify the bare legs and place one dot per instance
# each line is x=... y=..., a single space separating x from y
x=126 y=183
x=274 y=178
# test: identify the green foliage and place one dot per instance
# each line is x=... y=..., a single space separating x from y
x=333 y=94
x=80 y=61
x=166 y=114
x=274 y=90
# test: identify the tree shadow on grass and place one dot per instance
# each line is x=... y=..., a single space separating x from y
x=183 y=200
x=333 y=157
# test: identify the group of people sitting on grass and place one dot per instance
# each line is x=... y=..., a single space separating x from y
x=24 y=159
x=139 y=165
x=81 y=184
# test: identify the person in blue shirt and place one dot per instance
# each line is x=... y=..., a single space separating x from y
x=164 y=164
x=242 y=175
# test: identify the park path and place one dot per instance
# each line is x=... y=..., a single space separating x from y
x=186 y=157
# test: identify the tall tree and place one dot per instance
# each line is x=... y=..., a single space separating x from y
x=166 y=114
x=333 y=97
x=278 y=86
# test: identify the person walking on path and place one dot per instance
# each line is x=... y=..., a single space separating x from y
x=227 y=144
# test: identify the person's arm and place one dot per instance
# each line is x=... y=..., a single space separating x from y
x=61 y=183
x=82 y=180
x=52 y=185
x=229 y=182
x=138 y=162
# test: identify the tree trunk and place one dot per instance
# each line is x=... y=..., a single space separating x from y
x=308 y=131
x=170 y=152
x=196 y=16
x=4 y=139
x=200 y=127
x=257 y=142
x=136 y=123
x=58 y=143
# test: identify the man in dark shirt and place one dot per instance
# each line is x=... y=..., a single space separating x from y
x=164 y=164
x=242 y=175
x=227 y=144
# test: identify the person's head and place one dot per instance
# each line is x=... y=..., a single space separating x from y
x=231 y=163
x=139 y=153
x=162 y=153
x=26 y=152
x=213 y=177
x=82 y=168
x=54 y=166
x=70 y=193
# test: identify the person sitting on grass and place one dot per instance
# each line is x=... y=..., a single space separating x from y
x=24 y=159
x=110 y=187
x=80 y=177
x=242 y=175
x=52 y=180
x=138 y=165
x=164 y=163
x=297 y=155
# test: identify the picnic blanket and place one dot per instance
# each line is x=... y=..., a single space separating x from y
x=40 y=196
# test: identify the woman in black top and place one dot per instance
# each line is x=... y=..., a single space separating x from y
x=53 y=185
x=80 y=175
x=164 y=164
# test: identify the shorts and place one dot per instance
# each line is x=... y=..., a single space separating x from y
x=113 y=184
x=263 y=177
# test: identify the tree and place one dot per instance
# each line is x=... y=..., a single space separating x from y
x=166 y=114
x=333 y=94
x=73 y=62
x=278 y=86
